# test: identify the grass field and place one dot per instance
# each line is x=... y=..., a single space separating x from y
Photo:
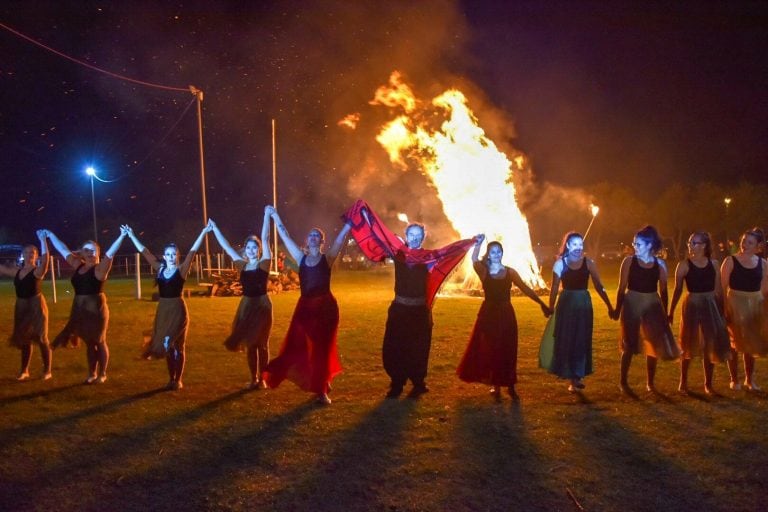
x=128 y=445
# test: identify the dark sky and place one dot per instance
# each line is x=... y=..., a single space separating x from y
x=637 y=93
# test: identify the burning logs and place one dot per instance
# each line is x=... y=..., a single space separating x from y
x=227 y=284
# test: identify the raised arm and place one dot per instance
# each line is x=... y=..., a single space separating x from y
x=105 y=264
x=266 y=249
x=622 y=290
x=45 y=257
x=476 y=250
x=598 y=284
x=151 y=259
x=518 y=281
x=333 y=252
x=680 y=272
x=223 y=241
x=293 y=249
x=187 y=263
x=60 y=246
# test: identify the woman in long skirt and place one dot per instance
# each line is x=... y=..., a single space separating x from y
x=491 y=355
x=702 y=326
x=641 y=303
x=745 y=279
x=253 y=319
x=572 y=335
x=30 y=314
x=309 y=356
x=169 y=333
x=89 y=317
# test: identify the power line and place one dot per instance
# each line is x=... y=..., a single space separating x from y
x=91 y=66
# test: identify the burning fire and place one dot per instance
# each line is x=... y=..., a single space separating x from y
x=471 y=176
x=403 y=218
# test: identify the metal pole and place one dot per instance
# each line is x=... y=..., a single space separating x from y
x=93 y=203
x=199 y=95
x=53 y=278
x=274 y=198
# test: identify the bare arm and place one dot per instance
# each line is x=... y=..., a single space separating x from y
x=598 y=284
x=680 y=272
x=8 y=270
x=223 y=242
x=74 y=261
x=293 y=249
x=517 y=280
x=718 y=287
x=557 y=270
x=266 y=250
x=476 y=250
x=623 y=279
x=187 y=263
x=125 y=228
x=663 y=281
x=333 y=252
x=45 y=257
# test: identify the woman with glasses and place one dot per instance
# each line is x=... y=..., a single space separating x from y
x=744 y=277
x=89 y=317
x=702 y=327
x=641 y=304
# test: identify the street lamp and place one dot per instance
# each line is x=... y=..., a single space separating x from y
x=90 y=171
x=727 y=202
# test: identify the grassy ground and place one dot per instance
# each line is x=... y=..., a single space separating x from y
x=127 y=445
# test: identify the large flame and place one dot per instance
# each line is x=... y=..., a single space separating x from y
x=471 y=176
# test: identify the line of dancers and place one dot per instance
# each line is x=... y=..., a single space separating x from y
x=723 y=311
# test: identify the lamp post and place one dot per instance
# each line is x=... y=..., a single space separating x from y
x=198 y=94
x=727 y=202
x=91 y=172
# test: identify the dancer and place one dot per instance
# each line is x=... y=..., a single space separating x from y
x=641 y=303
x=702 y=327
x=253 y=319
x=745 y=279
x=491 y=355
x=419 y=273
x=30 y=314
x=309 y=356
x=89 y=317
x=572 y=336
x=169 y=333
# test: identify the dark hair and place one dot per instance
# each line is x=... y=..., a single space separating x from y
x=567 y=238
x=486 y=258
x=707 y=239
x=650 y=235
x=756 y=233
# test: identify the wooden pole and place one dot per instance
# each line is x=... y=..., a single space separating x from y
x=138 y=275
x=274 y=197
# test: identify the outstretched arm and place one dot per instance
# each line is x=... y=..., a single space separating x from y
x=223 y=241
x=333 y=252
x=184 y=269
x=105 y=264
x=60 y=246
x=518 y=281
x=125 y=228
x=45 y=257
x=293 y=249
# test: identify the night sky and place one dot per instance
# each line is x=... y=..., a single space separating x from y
x=637 y=93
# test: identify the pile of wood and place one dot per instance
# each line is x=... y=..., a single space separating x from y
x=227 y=283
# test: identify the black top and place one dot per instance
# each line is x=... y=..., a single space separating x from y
x=497 y=289
x=746 y=279
x=410 y=280
x=86 y=283
x=700 y=280
x=575 y=279
x=254 y=282
x=169 y=288
x=643 y=280
x=314 y=281
x=28 y=286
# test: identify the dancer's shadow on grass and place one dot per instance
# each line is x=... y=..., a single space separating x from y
x=40 y=393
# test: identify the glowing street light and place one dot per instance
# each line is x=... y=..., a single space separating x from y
x=90 y=171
